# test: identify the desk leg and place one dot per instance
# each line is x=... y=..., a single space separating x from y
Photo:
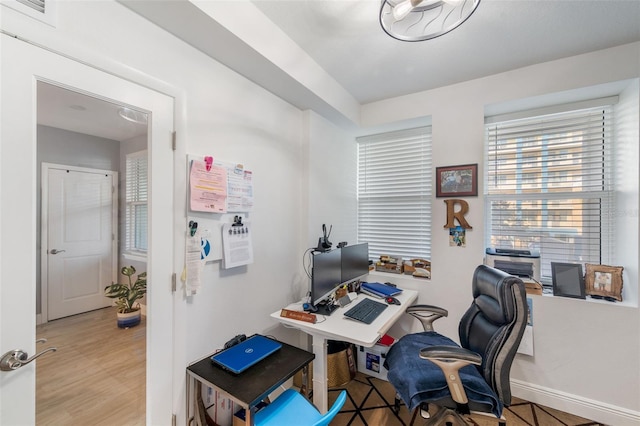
x=195 y=409
x=190 y=399
x=250 y=416
x=320 y=373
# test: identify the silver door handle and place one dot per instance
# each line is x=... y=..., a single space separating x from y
x=16 y=358
x=56 y=251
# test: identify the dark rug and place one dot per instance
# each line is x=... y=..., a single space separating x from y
x=370 y=402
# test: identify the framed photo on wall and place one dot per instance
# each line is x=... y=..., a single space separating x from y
x=457 y=181
x=604 y=281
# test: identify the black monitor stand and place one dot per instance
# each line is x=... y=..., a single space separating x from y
x=325 y=308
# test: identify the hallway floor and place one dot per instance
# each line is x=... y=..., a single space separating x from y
x=97 y=375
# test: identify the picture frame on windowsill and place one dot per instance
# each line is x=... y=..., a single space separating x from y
x=567 y=280
x=604 y=282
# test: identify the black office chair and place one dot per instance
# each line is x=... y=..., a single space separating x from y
x=428 y=368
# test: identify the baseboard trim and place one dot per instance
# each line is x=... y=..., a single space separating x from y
x=576 y=405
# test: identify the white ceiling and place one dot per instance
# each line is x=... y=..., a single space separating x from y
x=344 y=38
x=77 y=112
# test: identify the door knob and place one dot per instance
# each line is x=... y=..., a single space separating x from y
x=16 y=358
x=56 y=251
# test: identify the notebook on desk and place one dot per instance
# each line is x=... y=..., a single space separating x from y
x=379 y=290
x=245 y=354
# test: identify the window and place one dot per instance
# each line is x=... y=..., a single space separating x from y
x=42 y=10
x=136 y=204
x=548 y=185
x=394 y=193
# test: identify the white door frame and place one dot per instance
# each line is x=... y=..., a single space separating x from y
x=23 y=65
x=44 y=231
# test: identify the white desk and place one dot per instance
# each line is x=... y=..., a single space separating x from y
x=338 y=327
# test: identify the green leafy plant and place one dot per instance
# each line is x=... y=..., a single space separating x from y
x=127 y=294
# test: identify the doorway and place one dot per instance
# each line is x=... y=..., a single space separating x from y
x=80 y=253
x=23 y=65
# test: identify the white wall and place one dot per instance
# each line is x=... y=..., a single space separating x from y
x=331 y=175
x=585 y=353
x=218 y=113
x=625 y=216
x=222 y=114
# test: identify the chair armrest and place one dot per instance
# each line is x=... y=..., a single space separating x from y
x=426 y=314
x=451 y=359
x=451 y=353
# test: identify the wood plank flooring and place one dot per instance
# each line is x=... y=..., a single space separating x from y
x=97 y=376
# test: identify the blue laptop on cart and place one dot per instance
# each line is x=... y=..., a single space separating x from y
x=245 y=354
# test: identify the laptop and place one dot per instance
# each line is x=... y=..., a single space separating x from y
x=245 y=354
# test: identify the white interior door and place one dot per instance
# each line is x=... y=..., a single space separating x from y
x=21 y=66
x=79 y=225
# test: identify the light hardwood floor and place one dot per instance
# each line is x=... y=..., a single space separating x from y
x=97 y=376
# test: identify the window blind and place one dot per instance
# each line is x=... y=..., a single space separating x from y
x=136 y=202
x=42 y=10
x=549 y=187
x=394 y=193
x=37 y=5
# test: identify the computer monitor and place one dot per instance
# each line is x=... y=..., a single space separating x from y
x=326 y=275
x=355 y=261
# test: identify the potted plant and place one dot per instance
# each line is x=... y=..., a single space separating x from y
x=129 y=312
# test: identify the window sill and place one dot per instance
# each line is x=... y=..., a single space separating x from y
x=389 y=276
x=624 y=303
x=548 y=293
x=137 y=257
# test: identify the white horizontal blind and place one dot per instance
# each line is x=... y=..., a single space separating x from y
x=37 y=5
x=136 y=203
x=548 y=186
x=394 y=193
x=42 y=10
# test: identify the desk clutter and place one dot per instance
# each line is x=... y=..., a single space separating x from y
x=344 y=360
x=371 y=360
x=340 y=328
x=419 y=268
x=365 y=310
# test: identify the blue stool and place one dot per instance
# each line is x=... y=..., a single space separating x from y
x=293 y=409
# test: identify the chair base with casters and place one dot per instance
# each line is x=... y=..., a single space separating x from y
x=444 y=416
x=447 y=416
x=293 y=409
x=470 y=378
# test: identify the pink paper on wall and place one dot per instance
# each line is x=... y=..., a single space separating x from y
x=208 y=187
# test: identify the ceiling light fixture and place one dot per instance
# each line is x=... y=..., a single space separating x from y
x=418 y=20
x=133 y=116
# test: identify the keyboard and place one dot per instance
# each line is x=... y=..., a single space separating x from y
x=366 y=311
